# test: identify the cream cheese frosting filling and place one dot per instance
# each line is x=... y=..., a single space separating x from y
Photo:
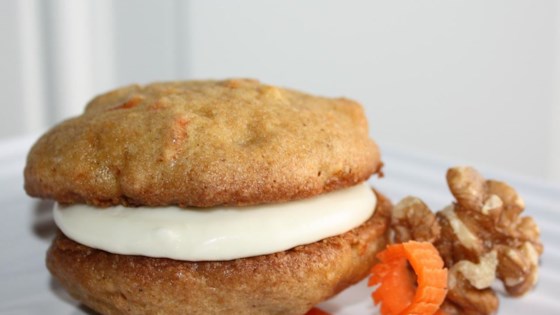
x=218 y=233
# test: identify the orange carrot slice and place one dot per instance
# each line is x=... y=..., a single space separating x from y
x=397 y=292
x=316 y=311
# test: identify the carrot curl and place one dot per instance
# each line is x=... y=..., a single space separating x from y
x=398 y=291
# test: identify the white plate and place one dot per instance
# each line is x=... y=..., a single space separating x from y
x=26 y=227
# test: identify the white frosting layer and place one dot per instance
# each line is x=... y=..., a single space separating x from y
x=219 y=233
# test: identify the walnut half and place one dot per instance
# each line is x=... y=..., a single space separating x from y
x=481 y=237
x=492 y=211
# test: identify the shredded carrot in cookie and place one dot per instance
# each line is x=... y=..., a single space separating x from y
x=398 y=292
x=316 y=311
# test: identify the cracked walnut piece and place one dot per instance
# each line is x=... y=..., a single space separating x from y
x=413 y=220
x=491 y=210
x=480 y=237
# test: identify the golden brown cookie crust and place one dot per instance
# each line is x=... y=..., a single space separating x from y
x=289 y=282
x=203 y=143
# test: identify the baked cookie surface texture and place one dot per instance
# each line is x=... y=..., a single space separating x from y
x=203 y=143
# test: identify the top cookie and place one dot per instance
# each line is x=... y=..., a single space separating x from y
x=202 y=143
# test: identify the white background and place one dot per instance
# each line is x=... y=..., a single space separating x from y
x=474 y=81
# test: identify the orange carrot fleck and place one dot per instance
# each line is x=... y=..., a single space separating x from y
x=398 y=293
x=316 y=311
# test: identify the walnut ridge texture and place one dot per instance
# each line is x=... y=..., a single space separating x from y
x=481 y=237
